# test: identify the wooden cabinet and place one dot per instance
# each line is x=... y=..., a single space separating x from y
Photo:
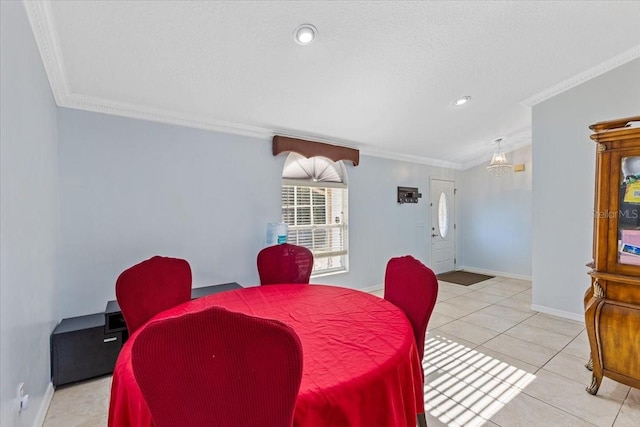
x=612 y=303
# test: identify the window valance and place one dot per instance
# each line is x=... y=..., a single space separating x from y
x=310 y=149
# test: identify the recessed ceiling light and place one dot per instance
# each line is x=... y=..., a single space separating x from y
x=305 y=34
x=462 y=101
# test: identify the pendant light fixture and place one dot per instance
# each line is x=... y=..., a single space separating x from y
x=499 y=164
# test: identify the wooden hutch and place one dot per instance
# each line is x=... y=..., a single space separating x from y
x=612 y=303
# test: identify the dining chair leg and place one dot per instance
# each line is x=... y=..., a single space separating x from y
x=422 y=420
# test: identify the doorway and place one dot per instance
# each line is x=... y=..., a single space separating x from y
x=442 y=203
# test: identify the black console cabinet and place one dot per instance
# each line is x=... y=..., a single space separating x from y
x=80 y=349
x=88 y=346
x=114 y=321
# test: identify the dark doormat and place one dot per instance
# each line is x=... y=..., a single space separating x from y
x=463 y=277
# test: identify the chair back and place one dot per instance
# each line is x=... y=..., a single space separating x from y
x=285 y=263
x=150 y=287
x=412 y=287
x=218 y=368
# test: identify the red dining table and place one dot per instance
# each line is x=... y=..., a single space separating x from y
x=360 y=362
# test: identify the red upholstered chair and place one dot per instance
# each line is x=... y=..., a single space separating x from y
x=412 y=287
x=285 y=264
x=218 y=368
x=150 y=287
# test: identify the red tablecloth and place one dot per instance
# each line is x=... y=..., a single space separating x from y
x=360 y=363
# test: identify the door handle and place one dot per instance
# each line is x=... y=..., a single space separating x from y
x=434 y=235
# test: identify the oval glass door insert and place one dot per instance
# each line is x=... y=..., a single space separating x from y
x=443 y=216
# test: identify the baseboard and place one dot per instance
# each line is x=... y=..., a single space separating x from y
x=44 y=406
x=373 y=288
x=494 y=273
x=559 y=313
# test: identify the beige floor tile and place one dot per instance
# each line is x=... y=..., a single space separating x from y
x=610 y=387
x=444 y=295
x=79 y=404
x=447 y=412
x=579 y=348
x=468 y=301
x=497 y=389
x=441 y=362
x=528 y=352
x=570 y=396
x=452 y=310
x=438 y=363
x=465 y=395
x=539 y=336
x=484 y=297
x=496 y=279
x=482 y=284
x=583 y=336
x=570 y=367
x=507 y=313
x=474 y=365
x=433 y=421
x=490 y=376
x=503 y=367
x=437 y=319
x=526 y=411
x=524 y=296
x=378 y=292
x=453 y=288
x=501 y=290
x=566 y=327
x=518 y=284
x=445 y=352
x=442 y=283
x=517 y=304
x=489 y=321
x=512 y=284
x=629 y=415
x=100 y=421
x=449 y=343
x=468 y=331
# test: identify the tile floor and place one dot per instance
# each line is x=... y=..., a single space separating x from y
x=489 y=360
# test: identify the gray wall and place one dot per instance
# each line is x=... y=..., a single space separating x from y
x=130 y=189
x=563 y=183
x=28 y=217
x=495 y=218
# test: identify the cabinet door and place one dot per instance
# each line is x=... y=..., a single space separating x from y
x=83 y=354
x=623 y=213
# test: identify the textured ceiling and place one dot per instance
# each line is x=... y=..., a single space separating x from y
x=381 y=76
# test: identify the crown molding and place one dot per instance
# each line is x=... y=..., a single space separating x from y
x=106 y=106
x=411 y=158
x=42 y=23
x=97 y=105
x=41 y=20
x=578 y=79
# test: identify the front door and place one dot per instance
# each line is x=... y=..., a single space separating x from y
x=442 y=226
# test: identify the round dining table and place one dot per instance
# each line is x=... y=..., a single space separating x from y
x=360 y=362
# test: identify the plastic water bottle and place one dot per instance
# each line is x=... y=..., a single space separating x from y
x=276 y=233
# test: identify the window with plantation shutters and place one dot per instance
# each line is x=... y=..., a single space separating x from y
x=315 y=208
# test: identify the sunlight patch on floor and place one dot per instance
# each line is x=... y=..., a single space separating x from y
x=465 y=387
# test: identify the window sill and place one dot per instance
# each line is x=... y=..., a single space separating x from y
x=329 y=273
